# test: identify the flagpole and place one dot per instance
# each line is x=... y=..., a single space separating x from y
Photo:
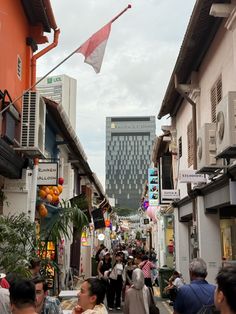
x=122 y=12
x=53 y=69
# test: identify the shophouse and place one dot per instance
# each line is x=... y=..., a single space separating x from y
x=200 y=98
x=36 y=131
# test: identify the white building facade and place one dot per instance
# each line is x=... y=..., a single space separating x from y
x=62 y=90
x=201 y=101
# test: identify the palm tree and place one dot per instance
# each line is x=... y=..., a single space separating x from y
x=19 y=241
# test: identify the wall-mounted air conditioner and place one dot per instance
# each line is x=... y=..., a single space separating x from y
x=226 y=123
x=206 y=146
x=33 y=124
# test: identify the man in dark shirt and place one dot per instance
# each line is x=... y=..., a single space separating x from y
x=191 y=298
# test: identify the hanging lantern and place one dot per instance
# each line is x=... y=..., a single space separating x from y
x=43 y=212
x=107 y=222
x=151 y=212
x=145 y=204
x=42 y=194
x=60 y=181
x=101 y=237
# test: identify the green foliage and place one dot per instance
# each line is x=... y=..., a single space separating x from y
x=80 y=201
x=19 y=243
x=62 y=224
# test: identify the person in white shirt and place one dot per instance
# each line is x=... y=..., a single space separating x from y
x=116 y=282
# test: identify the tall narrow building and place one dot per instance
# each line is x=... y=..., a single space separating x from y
x=128 y=156
x=61 y=89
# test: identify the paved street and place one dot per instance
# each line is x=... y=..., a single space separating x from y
x=161 y=304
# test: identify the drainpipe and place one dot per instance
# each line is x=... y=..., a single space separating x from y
x=194 y=121
x=33 y=195
x=40 y=54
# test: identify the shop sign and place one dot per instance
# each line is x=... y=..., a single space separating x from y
x=47 y=173
x=190 y=176
x=167 y=195
x=56 y=79
x=153 y=186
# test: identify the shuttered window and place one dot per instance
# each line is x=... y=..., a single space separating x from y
x=216 y=96
x=19 y=67
x=190 y=143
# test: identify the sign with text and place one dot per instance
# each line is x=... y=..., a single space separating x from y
x=47 y=173
x=167 y=195
x=153 y=186
x=190 y=176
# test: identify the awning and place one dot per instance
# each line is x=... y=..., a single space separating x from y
x=11 y=164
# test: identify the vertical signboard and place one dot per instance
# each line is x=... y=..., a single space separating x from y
x=153 y=186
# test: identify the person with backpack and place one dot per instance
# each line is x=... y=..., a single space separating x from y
x=194 y=297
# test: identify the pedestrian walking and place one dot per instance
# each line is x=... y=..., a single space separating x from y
x=137 y=298
x=194 y=296
x=116 y=282
x=103 y=270
x=225 y=292
x=35 y=267
x=100 y=253
x=128 y=271
x=146 y=266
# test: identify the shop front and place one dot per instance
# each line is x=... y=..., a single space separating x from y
x=213 y=236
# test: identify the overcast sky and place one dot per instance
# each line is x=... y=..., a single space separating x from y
x=139 y=59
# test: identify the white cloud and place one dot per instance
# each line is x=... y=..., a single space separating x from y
x=140 y=56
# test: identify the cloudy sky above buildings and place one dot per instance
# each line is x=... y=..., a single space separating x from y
x=140 y=55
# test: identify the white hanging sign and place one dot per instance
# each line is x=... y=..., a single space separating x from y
x=47 y=173
x=169 y=194
x=190 y=176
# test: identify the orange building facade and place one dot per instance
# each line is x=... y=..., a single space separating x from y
x=23 y=25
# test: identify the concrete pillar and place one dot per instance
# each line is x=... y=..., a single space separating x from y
x=209 y=239
x=181 y=233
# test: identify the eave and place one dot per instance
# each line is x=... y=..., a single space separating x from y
x=66 y=130
x=39 y=12
x=199 y=35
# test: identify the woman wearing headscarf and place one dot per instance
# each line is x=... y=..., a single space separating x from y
x=137 y=298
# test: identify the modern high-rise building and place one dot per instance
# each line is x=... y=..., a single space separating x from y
x=61 y=89
x=129 y=142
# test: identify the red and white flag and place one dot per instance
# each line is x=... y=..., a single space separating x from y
x=94 y=48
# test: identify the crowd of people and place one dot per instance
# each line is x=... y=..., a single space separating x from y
x=116 y=269
x=131 y=274
x=27 y=296
x=124 y=275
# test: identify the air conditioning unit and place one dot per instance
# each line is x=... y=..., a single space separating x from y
x=206 y=146
x=226 y=123
x=33 y=124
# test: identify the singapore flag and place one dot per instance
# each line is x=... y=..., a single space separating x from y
x=94 y=48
